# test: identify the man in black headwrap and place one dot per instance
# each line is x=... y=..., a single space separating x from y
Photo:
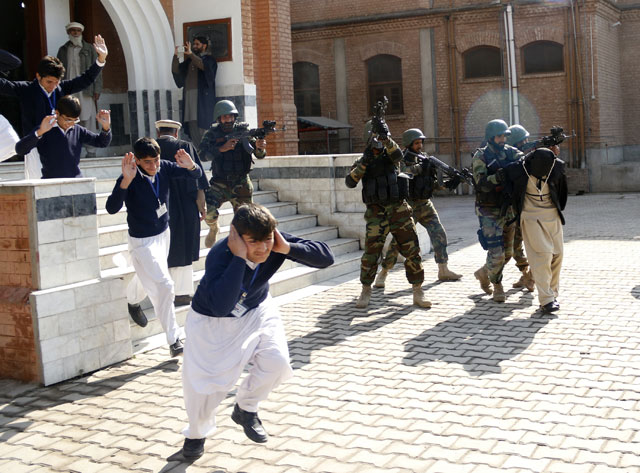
x=539 y=196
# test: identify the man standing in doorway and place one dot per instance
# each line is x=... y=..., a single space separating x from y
x=77 y=56
x=197 y=75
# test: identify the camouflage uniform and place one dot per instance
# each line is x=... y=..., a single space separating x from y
x=230 y=180
x=384 y=215
x=494 y=214
x=423 y=211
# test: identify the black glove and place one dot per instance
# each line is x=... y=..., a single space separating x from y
x=453 y=182
x=500 y=175
x=367 y=157
x=380 y=128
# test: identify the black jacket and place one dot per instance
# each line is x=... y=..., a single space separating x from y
x=557 y=183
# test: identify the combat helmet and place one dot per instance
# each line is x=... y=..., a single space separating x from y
x=518 y=133
x=224 y=107
x=410 y=135
x=495 y=128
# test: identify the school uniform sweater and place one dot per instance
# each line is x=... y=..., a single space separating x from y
x=60 y=150
x=143 y=198
x=227 y=276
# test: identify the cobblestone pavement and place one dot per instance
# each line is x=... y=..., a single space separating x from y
x=466 y=386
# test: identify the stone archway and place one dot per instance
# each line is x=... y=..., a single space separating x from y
x=147 y=43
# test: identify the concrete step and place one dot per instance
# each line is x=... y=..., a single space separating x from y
x=113 y=240
x=109 y=268
x=113 y=235
x=260 y=197
x=281 y=283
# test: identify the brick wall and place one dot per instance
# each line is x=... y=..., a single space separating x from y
x=17 y=347
x=273 y=71
x=114 y=75
x=543 y=98
x=247 y=42
x=630 y=53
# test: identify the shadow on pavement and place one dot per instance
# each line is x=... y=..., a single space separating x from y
x=340 y=323
x=480 y=339
x=38 y=398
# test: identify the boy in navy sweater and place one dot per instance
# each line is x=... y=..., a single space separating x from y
x=144 y=188
x=59 y=139
x=232 y=322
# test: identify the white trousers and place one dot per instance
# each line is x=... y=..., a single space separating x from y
x=32 y=165
x=182 y=277
x=149 y=259
x=215 y=353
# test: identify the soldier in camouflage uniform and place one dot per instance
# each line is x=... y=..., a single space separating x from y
x=497 y=219
x=421 y=188
x=230 y=166
x=387 y=211
x=518 y=137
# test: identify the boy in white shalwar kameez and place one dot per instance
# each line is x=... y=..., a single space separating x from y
x=232 y=322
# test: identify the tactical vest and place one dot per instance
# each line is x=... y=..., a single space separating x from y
x=380 y=184
x=494 y=197
x=421 y=186
x=230 y=165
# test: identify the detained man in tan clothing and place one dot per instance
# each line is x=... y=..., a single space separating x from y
x=540 y=195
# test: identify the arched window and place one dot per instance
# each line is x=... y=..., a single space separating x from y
x=483 y=61
x=306 y=89
x=384 y=75
x=543 y=56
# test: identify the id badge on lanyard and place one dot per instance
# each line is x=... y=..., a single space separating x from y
x=155 y=186
x=240 y=309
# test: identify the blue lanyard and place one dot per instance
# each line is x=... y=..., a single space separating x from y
x=253 y=278
x=52 y=104
x=155 y=185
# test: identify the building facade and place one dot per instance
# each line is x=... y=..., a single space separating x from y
x=448 y=67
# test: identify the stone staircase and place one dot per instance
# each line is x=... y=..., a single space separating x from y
x=112 y=235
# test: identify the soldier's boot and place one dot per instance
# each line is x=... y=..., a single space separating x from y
x=210 y=239
x=381 y=278
x=445 y=274
x=498 y=293
x=526 y=280
x=418 y=296
x=365 y=297
x=482 y=275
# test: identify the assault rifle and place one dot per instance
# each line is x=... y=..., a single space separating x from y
x=379 y=128
x=243 y=133
x=463 y=174
x=555 y=137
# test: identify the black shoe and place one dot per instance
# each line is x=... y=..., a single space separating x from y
x=176 y=348
x=182 y=300
x=250 y=423
x=136 y=313
x=550 y=307
x=193 y=448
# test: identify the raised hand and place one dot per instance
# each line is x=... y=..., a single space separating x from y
x=104 y=118
x=187 y=48
x=184 y=160
x=236 y=244
x=101 y=48
x=280 y=245
x=129 y=170
x=46 y=124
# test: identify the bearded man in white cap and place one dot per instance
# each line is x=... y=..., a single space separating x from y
x=77 y=56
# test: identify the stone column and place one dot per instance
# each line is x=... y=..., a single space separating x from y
x=273 y=70
x=59 y=319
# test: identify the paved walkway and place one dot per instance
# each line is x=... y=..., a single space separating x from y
x=468 y=386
